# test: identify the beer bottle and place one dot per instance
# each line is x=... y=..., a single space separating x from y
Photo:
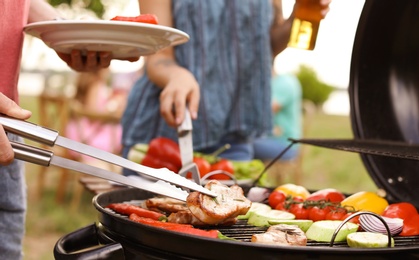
x=305 y=25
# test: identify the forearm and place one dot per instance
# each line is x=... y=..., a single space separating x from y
x=162 y=67
x=280 y=29
x=41 y=11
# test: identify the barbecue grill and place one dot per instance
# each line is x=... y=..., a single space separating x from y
x=384 y=98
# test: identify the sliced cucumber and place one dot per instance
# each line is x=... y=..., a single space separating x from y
x=262 y=218
x=256 y=207
x=368 y=240
x=322 y=231
x=303 y=224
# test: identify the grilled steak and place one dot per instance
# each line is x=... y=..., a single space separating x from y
x=282 y=235
x=229 y=203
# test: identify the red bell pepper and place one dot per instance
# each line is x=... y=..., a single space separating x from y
x=410 y=226
x=163 y=153
x=142 y=18
x=182 y=228
x=128 y=209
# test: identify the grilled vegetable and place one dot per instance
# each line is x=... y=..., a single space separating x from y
x=331 y=195
x=142 y=18
x=294 y=190
x=322 y=231
x=163 y=153
x=128 y=209
x=256 y=207
x=365 y=200
x=262 y=218
x=373 y=224
x=222 y=165
x=182 y=228
x=410 y=226
x=303 y=224
x=402 y=210
x=368 y=240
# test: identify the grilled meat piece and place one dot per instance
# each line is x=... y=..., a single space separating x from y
x=229 y=203
x=167 y=205
x=186 y=217
x=282 y=235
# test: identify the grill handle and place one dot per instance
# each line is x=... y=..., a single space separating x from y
x=69 y=247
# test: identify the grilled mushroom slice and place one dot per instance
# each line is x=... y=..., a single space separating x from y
x=282 y=235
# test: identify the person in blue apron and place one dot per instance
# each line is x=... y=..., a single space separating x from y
x=222 y=75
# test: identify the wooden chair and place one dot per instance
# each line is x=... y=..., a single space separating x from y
x=53 y=113
x=92 y=184
x=292 y=171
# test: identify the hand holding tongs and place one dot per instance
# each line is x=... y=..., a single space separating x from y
x=51 y=137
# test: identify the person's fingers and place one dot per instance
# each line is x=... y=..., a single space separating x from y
x=179 y=109
x=193 y=104
x=76 y=60
x=9 y=108
x=6 y=152
x=91 y=61
x=105 y=59
x=167 y=108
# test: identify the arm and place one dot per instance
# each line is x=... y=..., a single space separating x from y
x=280 y=29
x=179 y=85
x=41 y=11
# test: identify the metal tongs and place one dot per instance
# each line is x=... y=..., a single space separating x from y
x=186 y=149
x=167 y=181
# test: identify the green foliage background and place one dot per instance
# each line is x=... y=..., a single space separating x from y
x=94 y=5
x=313 y=88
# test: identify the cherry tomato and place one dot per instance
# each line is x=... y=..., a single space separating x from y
x=281 y=206
x=275 y=198
x=336 y=214
x=403 y=210
x=223 y=165
x=354 y=220
x=203 y=165
x=318 y=213
x=142 y=18
x=331 y=195
x=299 y=211
x=298 y=199
x=411 y=226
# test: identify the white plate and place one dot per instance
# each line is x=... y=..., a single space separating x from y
x=123 y=39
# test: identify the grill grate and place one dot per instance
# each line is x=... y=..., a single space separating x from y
x=243 y=232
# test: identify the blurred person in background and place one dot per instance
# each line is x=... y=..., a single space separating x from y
x=222 y=75
x=95 y=95
x=287 y=116
x=14 y=15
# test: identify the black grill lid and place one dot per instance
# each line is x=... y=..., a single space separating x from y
x=384 y=91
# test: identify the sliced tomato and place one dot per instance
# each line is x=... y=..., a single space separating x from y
x=142 y=18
